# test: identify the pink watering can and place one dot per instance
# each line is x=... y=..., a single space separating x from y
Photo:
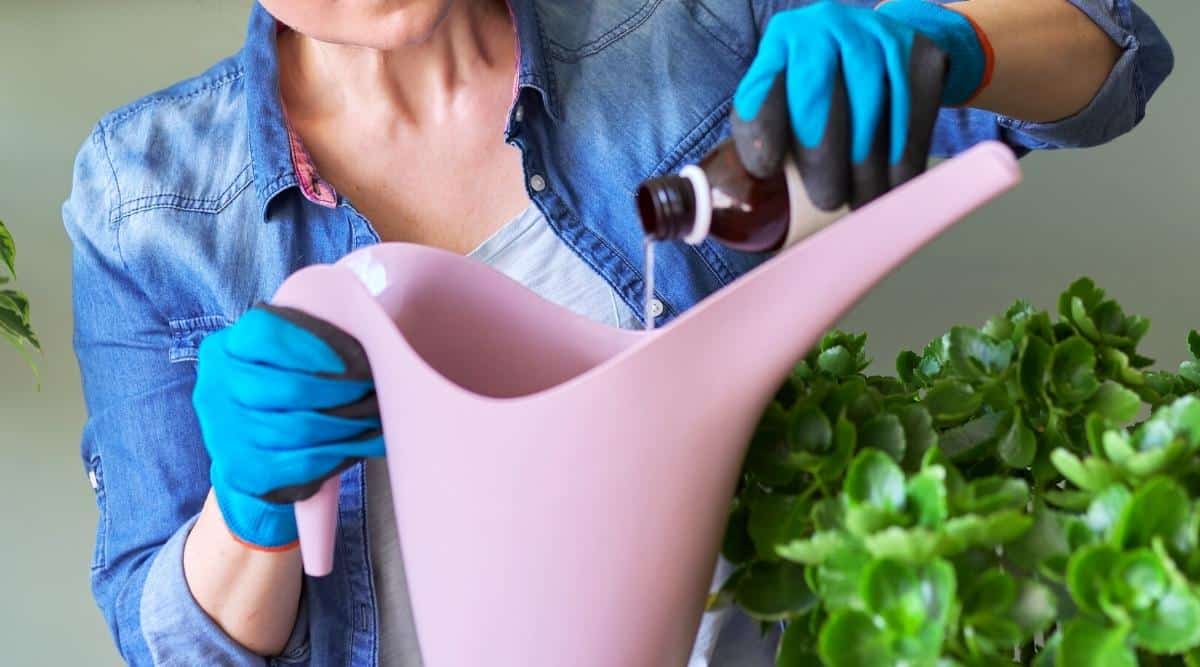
x=561 y=487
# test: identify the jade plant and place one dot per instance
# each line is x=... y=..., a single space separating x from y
x=14 y=306
x=1026 y=491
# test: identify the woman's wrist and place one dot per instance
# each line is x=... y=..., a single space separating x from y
x=253 y=595
x=1050 y=59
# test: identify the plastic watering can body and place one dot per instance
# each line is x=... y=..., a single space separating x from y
x=561 y=487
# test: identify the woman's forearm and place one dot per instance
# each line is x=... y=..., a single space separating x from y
x=1051 y=59
x=253 y=595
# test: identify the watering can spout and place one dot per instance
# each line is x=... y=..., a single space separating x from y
x=771 y=317
x=573 y=477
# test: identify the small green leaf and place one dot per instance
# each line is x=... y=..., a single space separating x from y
x=1087 y=575
x=1116 y=403
x=884 y=432
x=952 y=401
x=774 y=591
x=1159 y=509
x=875 y=480
x=851 y=639
x=8 y=250
x=990 y=494
x=1194 y=343
x=837 y=361
x=1089 y=474
x=919 y=436
x=814 y=550
x=991 y=592
x=906 y=366
x=1086 y=643
x=971 y=440
x=837 y=579
x=914 y=546
x=1017 y=446
x=926 y=497
x=797 y=647
x=893 y=591
x=776 y=519
x=1073 y=370
x=809 y=430
x=770 y=458
x=1034 y=368
x=1106 y=509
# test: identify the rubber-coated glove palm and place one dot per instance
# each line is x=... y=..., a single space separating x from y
x=285 y=401
x=854 y=94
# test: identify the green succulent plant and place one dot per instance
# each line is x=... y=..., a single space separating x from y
x=997 y=500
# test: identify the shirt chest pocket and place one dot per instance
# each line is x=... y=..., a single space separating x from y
x=188 y=333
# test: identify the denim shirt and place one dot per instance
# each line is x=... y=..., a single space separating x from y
x=194 y=203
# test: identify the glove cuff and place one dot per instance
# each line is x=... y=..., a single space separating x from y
x=972 y=59
x=256 y=523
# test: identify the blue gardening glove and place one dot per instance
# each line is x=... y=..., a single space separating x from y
x=285 y=401
x=854 y=94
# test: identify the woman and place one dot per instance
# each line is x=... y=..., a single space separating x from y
x=515 y=134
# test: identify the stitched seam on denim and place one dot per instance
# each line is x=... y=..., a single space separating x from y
x=550 y=86
x=182 y=351
x=739 y=54
x=713 y=261
x=219 y=82
x=693 y=139
x=213 y=205
x=605 y=40
x=98 y=137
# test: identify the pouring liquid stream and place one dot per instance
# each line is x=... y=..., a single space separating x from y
x=647 y=307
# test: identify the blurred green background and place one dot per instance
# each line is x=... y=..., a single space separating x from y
x=1124 y=214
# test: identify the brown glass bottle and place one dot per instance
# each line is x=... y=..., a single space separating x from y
x=747 y=213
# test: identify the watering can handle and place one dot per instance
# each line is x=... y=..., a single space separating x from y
x=316 y=501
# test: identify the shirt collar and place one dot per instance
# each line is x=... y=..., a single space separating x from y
x=278 y=157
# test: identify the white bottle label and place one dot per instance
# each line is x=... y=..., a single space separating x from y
x=806 y=218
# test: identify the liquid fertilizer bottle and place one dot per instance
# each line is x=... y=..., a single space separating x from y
x=719 y=198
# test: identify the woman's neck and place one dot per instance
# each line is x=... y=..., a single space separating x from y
x=426 y=81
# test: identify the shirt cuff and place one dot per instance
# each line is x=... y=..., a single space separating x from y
x=179 y=632
x=1117 y=107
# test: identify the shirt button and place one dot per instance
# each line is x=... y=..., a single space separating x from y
x=519 y=113
x=656 y=308
x=537 y=183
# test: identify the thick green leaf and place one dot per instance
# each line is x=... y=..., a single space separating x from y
x=1138 y=580
x=965 y=532
x=1194 y=343
x=770 y=458
x=884 y=432
x=1159 y=509
x=1088 y=572
x=991 y=592
x=1086 y=643
x=814 y=550
x=926 y=497
x=1089 y=474
x=8 y=250
x=736 y=545
x=1116 y=403
x=875 y=480
x=837 y=361
x=837 y=580
x=906 y=366
x=798 y=646
x=971 y=440
x=774 y=591
x=990 y=494
x=913 y=545
x=975 y=357
x=1172 y=625
x=1073 y=371
x=851 y=639
x=919 y=436
x=952 y=401
x=1017 y=445
x=776 y=519
x=1034 y=368
x=893 y=590
x=809 y=430
x=1106 y=509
